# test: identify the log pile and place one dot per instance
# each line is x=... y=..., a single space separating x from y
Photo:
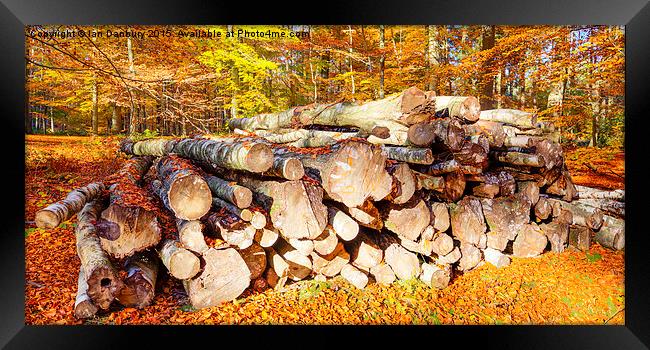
x=411 y=186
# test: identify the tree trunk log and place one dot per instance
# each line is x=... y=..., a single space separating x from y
x=83 y=306
x=299 y=265
x=55 y=213
x=496 y=258
x=266 y=237
x=330 y=264
x=467 y=221
x=364 y=251
x=470 y=257
x=435 y=276
x=255 y=258
x=240 y=196
x=231 y=229
x=506 y=217
x=513 y=117
x=494 y=132
x=326 y=242
x=442 y=244
x=580 y=237
x=438 y=168
x=343 y=225
x=404 y=183
x=594 y=193
x=557 y=234
x=404 y=264
x=407 y=220
x=409 y=154
x=180 y=262
x=183 y=192
x=530 y=241
x=443 y=134
x=366 y=215
x=354 y=276
x=190 y=234
x=464 y=108
x=101 y=277
x=581 y=214
x=224 y=277
x=612 y=233
x=140 y=283
x=450 y=258
x=440 y=212
x=543 y=209
x=287 y=166
x=383 y=274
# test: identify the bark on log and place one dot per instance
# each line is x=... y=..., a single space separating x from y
x=428 y=182
x=409 y=154
x=440 y=212
x=472 y=155
x=354 y=276
x=52 y=215
x=285 y=165
x=608 y=206
x=470 y=257
x=520 y=119
x=240 y=196
x=454 y=187
x=406 y=108
x=184 y=191
x=180 y=262
x=465 y=108
x=594 y=193
x=518 y=158
x=494 y=132
x=435 y=276
x=404 y=183
x=383 y=274
x=496 y=258
x=467 y=221
x=224 y=277
x=563 y=187
x=530 y=241
x=330 y=264
x=255 y=258
x=101 y=277
x=256 y=218
x=580 y=237
x=486 y=190
x=232 y=153
x=190 y=235
x=612 y=233
x=504 y=179
x=440 y=167
x=407 y=220
x=581 y=214
x=83 y=306
x=140 y=283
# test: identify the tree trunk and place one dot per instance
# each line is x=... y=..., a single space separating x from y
x=435 y=276
x=496 y=258
x=52 y=215
x=513 y=117
x=140 y=283
x=352 y=173
x=330 y=264
x=343 y=225
x=404 y=183
x=132 y=209
x=101 y=277
x=404 y=264
x=354 y=276
x=464 y=108
x=224 y=278
x=594 y=193
x=580 y=237
x=470 y=257
x=440 y=212
x=530 y=242
x=382 y=61
x=231 y=228
x=442 y=244
x=190 y=234
x=180 y=262
x=409 y=155
x=94 y=119
x=611 y=234
x=408 y=220
x=383 y=274
x=444 y=133
x=582 y=215
x=557 y=234
x=467 y=221
x=506 y=217
x=487 y=83
x=116 y=119
x=240 y=196
x=326 y=242
x=183 y=191
x=366 y=215
x=298 y=265
x=83 y=306
x=255 y=258
x=266 y=237
x=364 y=252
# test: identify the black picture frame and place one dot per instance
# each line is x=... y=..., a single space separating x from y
x=15 y=14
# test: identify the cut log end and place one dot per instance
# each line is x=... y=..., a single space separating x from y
x=242 y=196
x=103 y=285
x=293 y=169
x=190 y=197
x=46 y=219
x=259 y=158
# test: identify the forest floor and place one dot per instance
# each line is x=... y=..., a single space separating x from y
x=568 y=288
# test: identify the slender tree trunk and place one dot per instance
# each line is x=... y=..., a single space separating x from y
x=132 y=117
x=94 y=120
x=382 y=60
x=487 y=83
x=350 y=60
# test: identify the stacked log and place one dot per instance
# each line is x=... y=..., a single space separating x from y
x=413 y=186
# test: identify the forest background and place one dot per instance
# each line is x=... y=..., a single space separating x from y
x=166 y=84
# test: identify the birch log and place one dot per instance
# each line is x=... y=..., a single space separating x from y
x=52 y=215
